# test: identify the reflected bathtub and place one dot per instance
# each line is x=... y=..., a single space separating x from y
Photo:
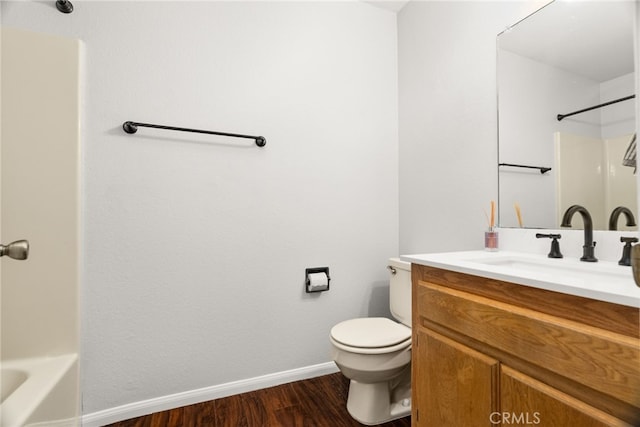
x=39 y=391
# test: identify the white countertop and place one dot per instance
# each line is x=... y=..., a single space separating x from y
x=603 y=280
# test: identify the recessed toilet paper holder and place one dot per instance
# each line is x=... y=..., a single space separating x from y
x=314 y=281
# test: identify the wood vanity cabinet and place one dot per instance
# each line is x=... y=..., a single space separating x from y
x=493 y=353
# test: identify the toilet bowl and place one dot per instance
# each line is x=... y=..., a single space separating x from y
x=375 y=354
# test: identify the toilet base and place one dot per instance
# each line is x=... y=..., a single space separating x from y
x=377 y=403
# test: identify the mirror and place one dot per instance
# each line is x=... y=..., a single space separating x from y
x=566 y=57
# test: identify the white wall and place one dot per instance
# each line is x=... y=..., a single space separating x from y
x=618 y=119
x=447 y=113
x=195 y=246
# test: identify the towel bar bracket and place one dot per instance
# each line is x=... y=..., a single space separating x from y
x=129 y=127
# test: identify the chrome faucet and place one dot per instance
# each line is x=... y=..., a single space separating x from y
x=613 y=219
x=589 y=244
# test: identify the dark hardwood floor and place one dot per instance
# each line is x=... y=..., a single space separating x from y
x=316 y=402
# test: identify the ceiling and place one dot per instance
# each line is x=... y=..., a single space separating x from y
x=392 y=5
x=592 y=39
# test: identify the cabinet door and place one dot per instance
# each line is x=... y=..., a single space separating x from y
x=526 y=401
x=454 y=385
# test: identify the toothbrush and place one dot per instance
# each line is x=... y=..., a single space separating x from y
x=518 y=214
x=493 y=215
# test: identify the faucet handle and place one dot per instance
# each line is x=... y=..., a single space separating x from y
x=626 y=250
x=555 y=245
x=550 y=236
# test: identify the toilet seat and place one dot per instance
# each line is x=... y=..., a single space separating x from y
x=371 y=335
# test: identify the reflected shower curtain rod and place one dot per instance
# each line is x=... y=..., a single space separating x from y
x=132 y=127
x=615 y=101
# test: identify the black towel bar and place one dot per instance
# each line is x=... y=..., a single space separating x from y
x=543 y=169
x=132 y=127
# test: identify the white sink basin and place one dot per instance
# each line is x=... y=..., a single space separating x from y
x=597 y=271
x=602 y=280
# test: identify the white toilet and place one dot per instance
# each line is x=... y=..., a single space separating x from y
x=375 y=354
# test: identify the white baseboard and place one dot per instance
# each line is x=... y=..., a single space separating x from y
x=145 y=407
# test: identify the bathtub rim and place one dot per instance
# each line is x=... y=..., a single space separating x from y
x=44 y=373
x=17 y=378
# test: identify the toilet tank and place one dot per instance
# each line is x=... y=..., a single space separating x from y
x=400 y=290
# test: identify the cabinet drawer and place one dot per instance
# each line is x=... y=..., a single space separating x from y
x=599 y=359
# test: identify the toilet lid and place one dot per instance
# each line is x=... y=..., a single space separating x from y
x=370 y=332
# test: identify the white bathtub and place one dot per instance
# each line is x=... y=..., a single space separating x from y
x=39 y=391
